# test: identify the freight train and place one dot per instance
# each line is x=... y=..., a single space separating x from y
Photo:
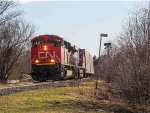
x=53 y=58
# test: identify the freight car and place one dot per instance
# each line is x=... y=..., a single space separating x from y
x=53 y=58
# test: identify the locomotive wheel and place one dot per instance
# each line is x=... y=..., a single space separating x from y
x=57 y=77
x=42 y=77
x=62 y=76
x=35 y=76
x=75 y=74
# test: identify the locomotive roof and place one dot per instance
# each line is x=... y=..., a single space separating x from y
x=35 y=38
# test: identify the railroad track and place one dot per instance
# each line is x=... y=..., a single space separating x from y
x=11 y=89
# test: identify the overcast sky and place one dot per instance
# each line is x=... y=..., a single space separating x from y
x=78 y=22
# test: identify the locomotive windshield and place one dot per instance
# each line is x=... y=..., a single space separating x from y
x=56 y=42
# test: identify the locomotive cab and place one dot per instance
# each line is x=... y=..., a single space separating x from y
x=45 y=57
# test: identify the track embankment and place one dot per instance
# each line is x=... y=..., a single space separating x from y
x=53 y=84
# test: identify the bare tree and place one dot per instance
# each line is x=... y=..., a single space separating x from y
x=135 y=67
x=7 y=12
x=130 y=62
x=21 y=70
x=14 y=35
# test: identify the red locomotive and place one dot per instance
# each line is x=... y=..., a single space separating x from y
x=53 y=58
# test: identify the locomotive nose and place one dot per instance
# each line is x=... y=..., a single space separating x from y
x=45 y=47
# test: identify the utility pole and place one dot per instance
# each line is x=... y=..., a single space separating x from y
x=148 y=36
x=108 y=47
x=99 y=59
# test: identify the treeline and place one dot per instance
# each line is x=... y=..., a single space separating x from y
x=15 y=34
x=127 y=67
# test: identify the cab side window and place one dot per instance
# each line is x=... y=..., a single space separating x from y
x=37 y=42
x=33 y=44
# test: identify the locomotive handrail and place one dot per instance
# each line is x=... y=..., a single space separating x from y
x=33 y=58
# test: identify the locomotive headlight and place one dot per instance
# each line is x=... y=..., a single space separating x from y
x=52 y=60
x=45 y=48
x=36 y=61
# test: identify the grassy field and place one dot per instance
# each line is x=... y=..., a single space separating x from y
x=54 y=100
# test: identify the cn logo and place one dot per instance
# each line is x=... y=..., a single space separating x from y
x=46 y=55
